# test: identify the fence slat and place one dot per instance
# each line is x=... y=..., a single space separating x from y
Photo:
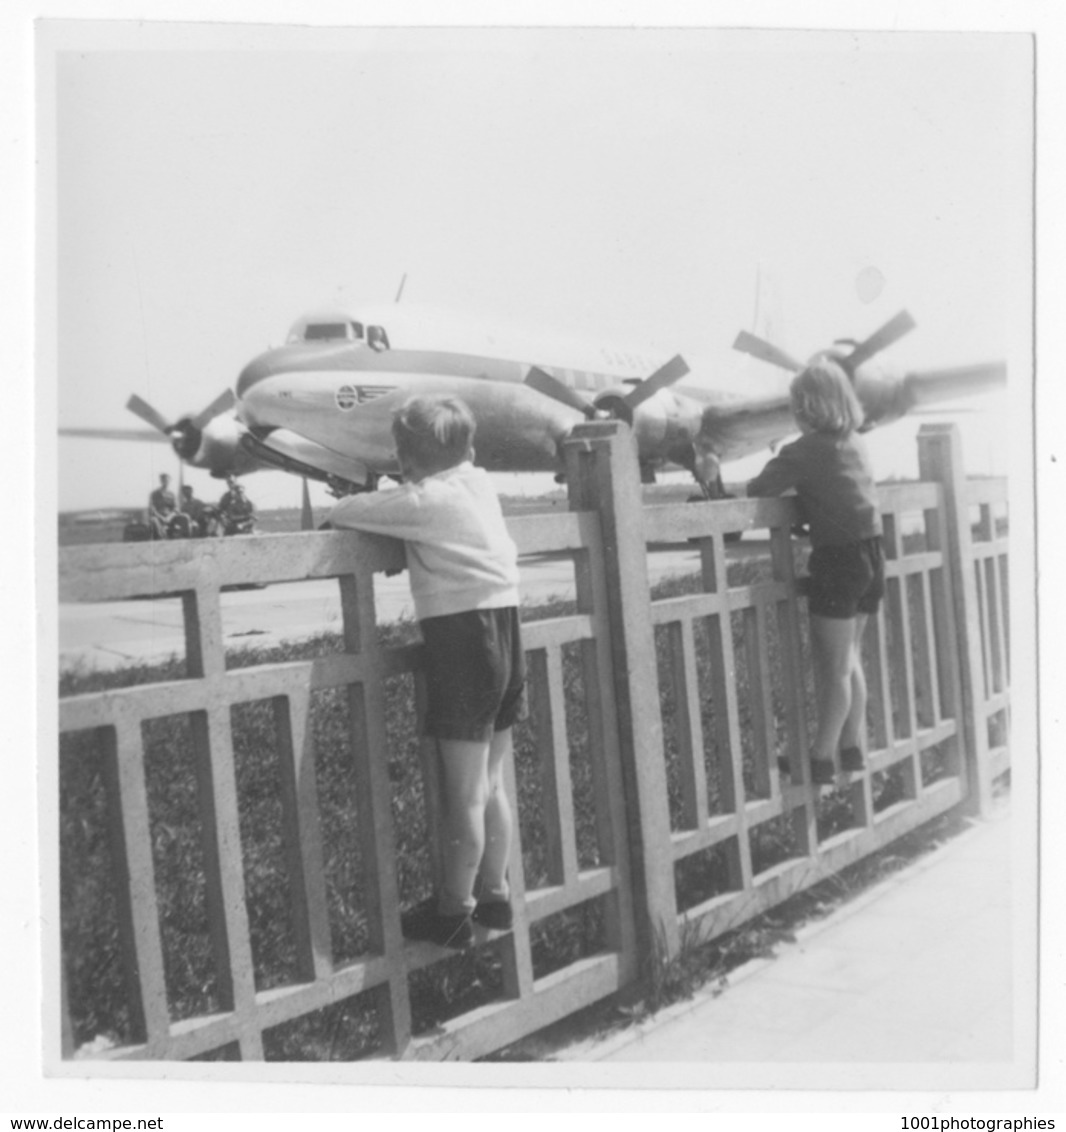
x=723 y=691
x=604 y=476
x=303 y=835
x=226 y=911
x=373 y=792
x=134 y=880
x=562 y=791
x=940 y=460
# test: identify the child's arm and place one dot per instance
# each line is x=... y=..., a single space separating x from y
x=395 y=512
x=780 y=475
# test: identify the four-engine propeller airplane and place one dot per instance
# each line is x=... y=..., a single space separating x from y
x=321 y=405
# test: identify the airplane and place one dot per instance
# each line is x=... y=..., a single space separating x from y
x=321 y=405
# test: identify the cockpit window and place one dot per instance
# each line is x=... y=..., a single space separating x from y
x=326 y=330
x=376 y=338
x=326 y=326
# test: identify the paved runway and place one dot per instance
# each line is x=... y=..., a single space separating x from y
x=114 y=634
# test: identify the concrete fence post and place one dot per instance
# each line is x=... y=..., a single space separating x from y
x=603 y=476
x=940 y=461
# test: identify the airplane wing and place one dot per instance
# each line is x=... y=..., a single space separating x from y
x=739 y=428
x=735 y=429
x=923 y=387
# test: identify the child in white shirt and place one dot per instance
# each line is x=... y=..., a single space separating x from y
x=463 y=568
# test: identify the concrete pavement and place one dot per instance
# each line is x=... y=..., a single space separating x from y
x=925 y=981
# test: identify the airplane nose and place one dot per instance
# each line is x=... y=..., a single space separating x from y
x=254 y=372
x=260 y=403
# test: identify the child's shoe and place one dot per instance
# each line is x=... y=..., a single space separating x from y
x=424 y=922
x=851 y=759
x=494 y=914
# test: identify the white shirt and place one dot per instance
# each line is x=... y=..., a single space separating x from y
x=460 y=555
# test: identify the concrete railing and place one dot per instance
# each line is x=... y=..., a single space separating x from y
x=647 y=771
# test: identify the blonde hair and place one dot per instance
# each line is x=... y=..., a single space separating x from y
x=433 y=433
x=823 y=398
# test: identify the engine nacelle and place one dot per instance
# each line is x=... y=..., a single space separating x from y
x=665 y=421
x=216 y=447
x=882 y=393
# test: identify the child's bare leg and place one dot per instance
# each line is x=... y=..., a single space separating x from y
x=498 y=820
x=832 y=640
x=466 y=792
x=854 y=730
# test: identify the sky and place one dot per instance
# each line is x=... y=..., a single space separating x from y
x=622 y=185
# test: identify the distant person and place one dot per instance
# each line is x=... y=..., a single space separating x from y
x=161 y=508
x=195 y=511
x=463 y=568
x=829 y=469
x=238 y=511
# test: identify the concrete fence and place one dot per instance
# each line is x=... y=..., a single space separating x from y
x=652 y=805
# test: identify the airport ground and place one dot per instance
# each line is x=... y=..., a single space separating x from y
x=115 y=634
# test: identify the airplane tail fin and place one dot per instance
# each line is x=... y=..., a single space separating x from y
x=767 y=318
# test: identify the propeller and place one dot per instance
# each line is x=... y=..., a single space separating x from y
x=622 y=407
x=880 y=340
x=185 y=433
x=307 y=515
x=150 y=416
x=765 y=351
x=891 y=332
x=552 y=387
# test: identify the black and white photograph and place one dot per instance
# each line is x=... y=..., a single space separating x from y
x=535 y=562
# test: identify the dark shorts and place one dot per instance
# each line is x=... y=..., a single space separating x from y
x=847 y=579
x=475 y=673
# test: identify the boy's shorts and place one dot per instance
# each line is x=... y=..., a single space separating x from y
x=475 y=673
x=847 y=579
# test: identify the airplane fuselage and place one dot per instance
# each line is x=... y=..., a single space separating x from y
x=322 y=405
x=340 y=393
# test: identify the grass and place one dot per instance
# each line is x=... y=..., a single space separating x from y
x=99 y=997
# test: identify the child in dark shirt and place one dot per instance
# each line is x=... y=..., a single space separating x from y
x=830 y=472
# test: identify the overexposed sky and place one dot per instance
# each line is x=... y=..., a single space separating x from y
x=623 y=185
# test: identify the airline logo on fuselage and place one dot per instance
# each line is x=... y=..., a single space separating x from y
x=348 y=396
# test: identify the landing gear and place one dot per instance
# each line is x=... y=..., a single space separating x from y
x=707 y=472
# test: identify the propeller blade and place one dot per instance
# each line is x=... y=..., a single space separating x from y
x=142 y=409
x=881 y=339
x=552 y=387
x=664 y=376
x=225 y=400
x=307 y=516
x=140 y=434
x=765 y=351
